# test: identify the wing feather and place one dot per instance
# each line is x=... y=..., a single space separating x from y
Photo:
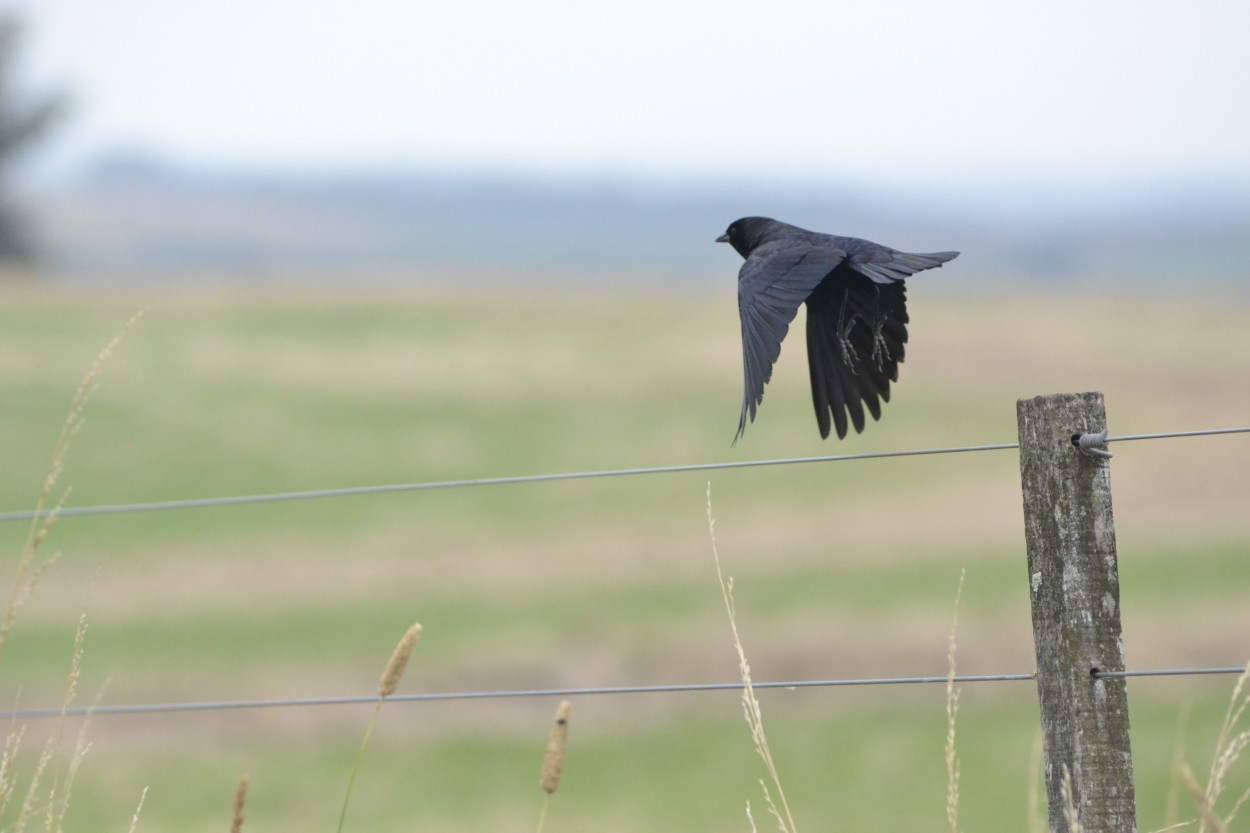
x=856 y=332
x=773 y=282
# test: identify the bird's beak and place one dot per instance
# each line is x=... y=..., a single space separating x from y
x=724 y=238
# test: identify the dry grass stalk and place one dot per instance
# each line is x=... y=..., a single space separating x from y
x=391 y=675
x=1229 y=747
x=29 y=568
x=240 y=798
x=553 y=763
x=32 y=791
x=750 y=706
x=1070 y=814
x=1180 y=825
x=772 y=809
x=29 y=571
x=134 y=821
x=81 y=747
x=1207 y=819
x=952 y=709
x=399 y=662
x=8 y=775
x=58 y=796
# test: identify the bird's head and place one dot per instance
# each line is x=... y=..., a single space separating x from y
x=747 y=233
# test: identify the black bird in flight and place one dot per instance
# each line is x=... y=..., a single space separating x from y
x=856 y=314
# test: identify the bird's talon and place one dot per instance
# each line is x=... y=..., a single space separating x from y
x=880 y=350
x=849 y=354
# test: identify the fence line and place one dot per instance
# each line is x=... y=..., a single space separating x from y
x=229 y=705
x=226 y=705
x=201 y=503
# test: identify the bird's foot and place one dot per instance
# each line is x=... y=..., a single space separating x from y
x=849 y=354
x=880 y=350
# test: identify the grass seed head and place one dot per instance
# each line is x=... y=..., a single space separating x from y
x=399 y=661
x=553 y=764
x=240 y=798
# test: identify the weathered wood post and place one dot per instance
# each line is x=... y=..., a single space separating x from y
x=1075 y=592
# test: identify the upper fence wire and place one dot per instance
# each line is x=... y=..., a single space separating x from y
x=355 y=491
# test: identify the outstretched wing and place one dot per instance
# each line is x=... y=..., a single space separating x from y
x=856 y=333
x=773 y=282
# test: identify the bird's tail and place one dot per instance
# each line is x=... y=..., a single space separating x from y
x=920 y=262
x=900 y=265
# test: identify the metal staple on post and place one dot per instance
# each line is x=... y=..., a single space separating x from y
x=1095 y=445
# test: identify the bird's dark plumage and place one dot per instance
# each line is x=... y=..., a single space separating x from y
x=856 y=314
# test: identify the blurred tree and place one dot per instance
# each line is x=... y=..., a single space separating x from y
x=22 y=123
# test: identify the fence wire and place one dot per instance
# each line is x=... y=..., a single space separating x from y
x=230 y=705
x=353 y=491
x=227 y=705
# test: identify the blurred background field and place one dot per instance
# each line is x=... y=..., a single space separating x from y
x=386 y=243
x=842 y=569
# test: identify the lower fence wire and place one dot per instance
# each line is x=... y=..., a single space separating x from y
x=226 y=705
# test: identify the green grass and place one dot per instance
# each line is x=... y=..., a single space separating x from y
x=848 y=760
x=842 y=570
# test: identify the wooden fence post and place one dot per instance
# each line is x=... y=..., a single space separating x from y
x=1075 y=593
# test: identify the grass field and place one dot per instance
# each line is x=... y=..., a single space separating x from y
x=841 y=570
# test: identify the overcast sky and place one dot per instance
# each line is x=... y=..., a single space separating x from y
x=873 y=90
